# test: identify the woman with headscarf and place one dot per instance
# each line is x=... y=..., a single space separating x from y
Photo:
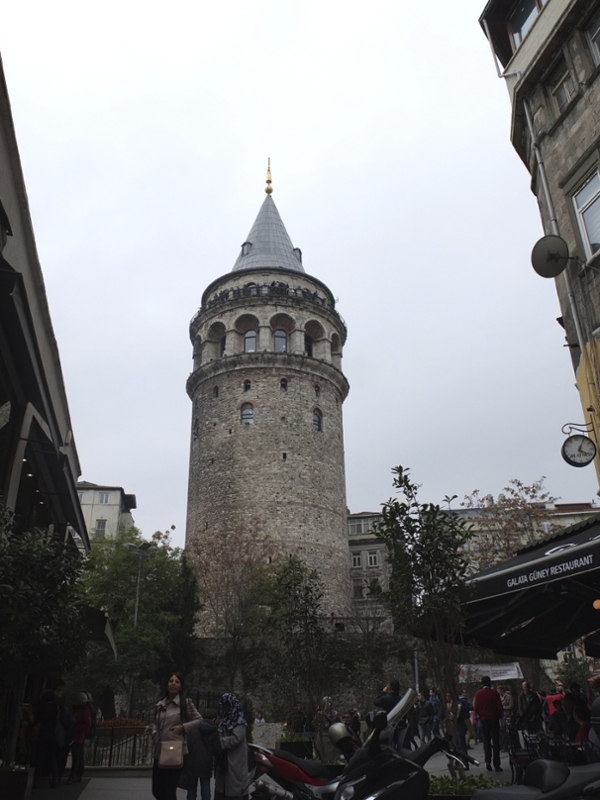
x=231 y=767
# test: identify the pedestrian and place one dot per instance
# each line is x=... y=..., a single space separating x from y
x=259 y=719
x=390 y=697
x=438 y=711
x=231 y=766
x=174 y=716
x=424 y=717
x=488 y=707
x=203 y=745
x=462 y=718
x=530 y=710
x=83 y=722
x=297 y=720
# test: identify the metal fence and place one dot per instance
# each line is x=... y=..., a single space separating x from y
x=119 y=747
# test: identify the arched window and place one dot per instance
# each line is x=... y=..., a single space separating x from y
x=280 y=338
x=247 y=415
x=250 y=342
x=283 y=385
x=247 y=385
x=317 y=390
x=308 y=346
x=317 y=420
x=216 y=391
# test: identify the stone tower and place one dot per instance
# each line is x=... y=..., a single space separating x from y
x=267 y=390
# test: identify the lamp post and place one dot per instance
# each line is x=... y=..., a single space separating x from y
x=140 y=551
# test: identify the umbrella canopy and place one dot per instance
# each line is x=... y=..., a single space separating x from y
x=541 y=600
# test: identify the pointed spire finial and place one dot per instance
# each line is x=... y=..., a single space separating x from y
x=268 y=187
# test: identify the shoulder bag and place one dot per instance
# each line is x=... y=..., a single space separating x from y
x=170 y=754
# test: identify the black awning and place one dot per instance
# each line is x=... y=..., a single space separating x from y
x=540 y=601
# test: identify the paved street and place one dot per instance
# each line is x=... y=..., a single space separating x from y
x=119 y=788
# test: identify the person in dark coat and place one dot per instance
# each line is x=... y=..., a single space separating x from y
x=203 y=745
x=389 y=698
x=488 y=707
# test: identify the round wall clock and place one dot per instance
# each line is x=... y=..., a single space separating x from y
x=578 y=450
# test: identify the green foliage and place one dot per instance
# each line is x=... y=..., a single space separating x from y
x=41 y=614
x=308 y=658
x=428 y=587
x=163 y=640
x=517 y=517
x=576 y=670
x=445 y=785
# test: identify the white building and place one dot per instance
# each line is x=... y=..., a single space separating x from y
x=105 y=508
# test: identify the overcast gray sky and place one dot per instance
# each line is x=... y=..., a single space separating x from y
x=144 y=130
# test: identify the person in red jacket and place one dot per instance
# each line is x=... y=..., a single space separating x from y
x=488 y=707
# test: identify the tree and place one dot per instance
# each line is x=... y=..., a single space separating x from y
x=231 y=565
x=307 y=658
x=520 y=516
x=428 y=587
x=163 y=639
x=42 y=620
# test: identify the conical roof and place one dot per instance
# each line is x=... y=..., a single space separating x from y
x=268 y=243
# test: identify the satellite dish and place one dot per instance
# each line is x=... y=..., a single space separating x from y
x=549 y=256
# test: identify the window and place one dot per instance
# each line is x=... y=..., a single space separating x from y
x=247 y=416
x=100 y=528
x=283 y=385
x=317 y=390
x=216 y=391
x=562 y=88
x=355 y=526
x=103 y=498
x=308 y=346
x=522 y=18
x=280 y=338
x=587 y=206
x=356 y=560
x=317 y=420
x=358 y=590
x=222 y=345
x=246 y=248
x=593 y=33
x=250 y=342
x=247 y=385
x=372 y=562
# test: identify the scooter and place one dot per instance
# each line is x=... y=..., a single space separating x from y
x=291 y=778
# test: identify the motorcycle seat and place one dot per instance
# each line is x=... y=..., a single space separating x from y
x=313 y=768
x=559 y=782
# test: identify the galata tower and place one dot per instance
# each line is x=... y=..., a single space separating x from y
x=267 y=389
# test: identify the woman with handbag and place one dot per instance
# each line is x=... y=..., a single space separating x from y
x=231 y=766
x=174 y=715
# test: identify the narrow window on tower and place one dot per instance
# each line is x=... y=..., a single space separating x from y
x=223 y=342
x=317 y=390
x=250 y=342
x=280 y=341
x=283 y=384
x=247 y=386
x=216 y=391
x=317 y=420
x=308 y=346
x=247 y=415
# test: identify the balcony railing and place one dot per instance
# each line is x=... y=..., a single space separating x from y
x=274 y=289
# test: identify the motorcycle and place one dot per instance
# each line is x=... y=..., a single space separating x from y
x=286 y=777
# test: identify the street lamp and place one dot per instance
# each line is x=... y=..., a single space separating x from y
x=140 y=551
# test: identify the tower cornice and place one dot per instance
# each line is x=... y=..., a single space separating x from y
x=282 y=362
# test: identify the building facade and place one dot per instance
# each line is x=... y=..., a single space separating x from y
x=39 y=465
x=267 y=388
x=106 y=509
x=548 y=51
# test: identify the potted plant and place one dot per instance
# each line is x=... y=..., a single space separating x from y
x=14 y=782
x=443 y=787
